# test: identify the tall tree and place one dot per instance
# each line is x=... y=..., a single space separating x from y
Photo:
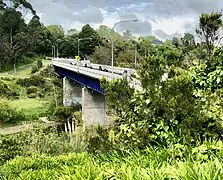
x=15 y=4
x=102 y=55
x=209 y=28
x=87 y=46
x=56 y=30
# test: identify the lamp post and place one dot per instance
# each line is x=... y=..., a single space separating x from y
x=53 y=51
x=112 y=38
x=135 y=55
x=78 y=44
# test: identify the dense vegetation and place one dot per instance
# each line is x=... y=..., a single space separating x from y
x=172 y=129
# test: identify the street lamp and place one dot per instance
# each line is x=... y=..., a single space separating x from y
x=79 y=44
x=135 y=54
x=112 y=39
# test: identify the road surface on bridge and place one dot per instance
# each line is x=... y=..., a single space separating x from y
x=118 y=73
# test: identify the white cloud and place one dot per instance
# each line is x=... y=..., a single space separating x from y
x=170 y=16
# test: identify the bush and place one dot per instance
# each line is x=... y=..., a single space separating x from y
x=34 y=80
x=47 y=72
x=34 y=69
x=9 y=114
x=40 y=140
x=39 y=63
x=7 y=92
x=32 y=90
x=30 y=54
x=63 y=113
x=32 y=95
x=10 y=147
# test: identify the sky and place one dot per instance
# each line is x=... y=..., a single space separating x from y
x=162 y=18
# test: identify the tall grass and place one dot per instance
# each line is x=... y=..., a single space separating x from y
x=154 y=164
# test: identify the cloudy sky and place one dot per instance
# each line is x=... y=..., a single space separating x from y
x=156 y=17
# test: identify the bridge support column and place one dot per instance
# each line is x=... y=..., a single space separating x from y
x=72 y=93
x=93 y=108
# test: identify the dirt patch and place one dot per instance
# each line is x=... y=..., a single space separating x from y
x=15 y=129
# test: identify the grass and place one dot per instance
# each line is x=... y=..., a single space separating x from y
x=25 y=70
x=149 y=165
x=32 y=108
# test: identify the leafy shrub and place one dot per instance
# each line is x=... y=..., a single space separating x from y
x=32 y=90
x=47 y=72
x=34 y=69
x=10 y=147
x=32 y=95
x=39 y=63
x=30 y=54
x=7 y=78
x=34 y=80
x=63 y=113
x=6 y=91
x=177 y=104
x=9 y=114
x=40 y=140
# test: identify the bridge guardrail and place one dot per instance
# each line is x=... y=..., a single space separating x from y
x=94 y=73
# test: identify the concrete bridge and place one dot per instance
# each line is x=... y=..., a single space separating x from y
x=81 y=85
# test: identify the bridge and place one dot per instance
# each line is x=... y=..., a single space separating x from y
x=81 y=85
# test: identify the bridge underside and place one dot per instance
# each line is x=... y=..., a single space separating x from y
x=89 y=82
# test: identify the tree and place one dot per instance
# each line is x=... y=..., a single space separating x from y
x=88 y=46
x=13 y=42
x=71 y=32
x=188 y=40
x=145 y=46
x=15 y=4
x=102 y=55
x=208 y=31
x=127 y=35
x=35 y=32
x=68 y=47
x=127 y=58
x=176 y=42
x=56 y=30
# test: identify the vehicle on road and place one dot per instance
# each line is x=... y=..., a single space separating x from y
x=116 y=70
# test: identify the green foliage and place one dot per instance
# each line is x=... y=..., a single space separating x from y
x=47 y=72
x=6 y=91
x=32 y=89
x=180 y=102
x=10 y=147
x=62 y=113
x=41 y=140
x=34 y=80
x=9 y=114
x=88 y=45
x=102 y=55
x=209 y=30
x=118 y=94
x=34 y=69
x=39 y=63
x=133 y=164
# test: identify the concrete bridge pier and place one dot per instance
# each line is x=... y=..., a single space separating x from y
x=93 y=108
x=72 y=93
x=93 y=103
